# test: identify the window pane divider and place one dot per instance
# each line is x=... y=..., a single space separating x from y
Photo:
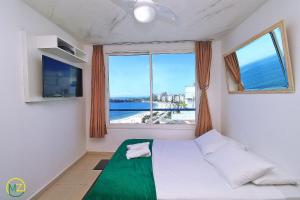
x=275 y=43
x=151 y=88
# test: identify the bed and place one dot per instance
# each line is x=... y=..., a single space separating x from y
x=176 y=170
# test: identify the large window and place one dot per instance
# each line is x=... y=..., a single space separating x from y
x=152 y=89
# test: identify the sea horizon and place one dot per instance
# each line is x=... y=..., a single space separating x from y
x=115 y=115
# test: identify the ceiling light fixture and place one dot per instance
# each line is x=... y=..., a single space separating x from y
x=144 y=14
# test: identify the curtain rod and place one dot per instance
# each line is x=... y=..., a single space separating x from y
x=151 y=42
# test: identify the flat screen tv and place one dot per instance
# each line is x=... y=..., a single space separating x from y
x=61 y=79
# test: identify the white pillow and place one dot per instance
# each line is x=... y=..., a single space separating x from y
x=238 y=166
x=242 y=146
x=275 y=177
x=212 y=140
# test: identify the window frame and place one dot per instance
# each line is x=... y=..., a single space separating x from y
x=112 y=52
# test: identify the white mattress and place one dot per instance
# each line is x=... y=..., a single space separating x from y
x=180 y=172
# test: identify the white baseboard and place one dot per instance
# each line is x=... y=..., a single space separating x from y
x=51 y=182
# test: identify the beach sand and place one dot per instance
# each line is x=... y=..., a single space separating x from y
x=134 y=119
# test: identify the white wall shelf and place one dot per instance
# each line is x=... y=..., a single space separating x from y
x=33 y=47
x=57 y=46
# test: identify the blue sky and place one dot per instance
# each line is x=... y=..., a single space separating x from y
x=129 y=76
x=258 y=49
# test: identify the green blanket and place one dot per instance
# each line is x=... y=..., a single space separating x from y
x=125 y=179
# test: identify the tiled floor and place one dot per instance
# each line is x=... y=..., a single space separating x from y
x=76 y=181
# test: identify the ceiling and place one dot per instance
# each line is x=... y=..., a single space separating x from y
x=102 y=22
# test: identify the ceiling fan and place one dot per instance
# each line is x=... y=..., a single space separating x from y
x=145 y=11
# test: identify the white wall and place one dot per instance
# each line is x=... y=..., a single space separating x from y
x=116 y=136
x=38 y=140
x=268 y=123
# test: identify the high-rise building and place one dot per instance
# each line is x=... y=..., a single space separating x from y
x=190 y=96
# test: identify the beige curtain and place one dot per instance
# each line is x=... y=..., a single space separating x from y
x=203 y=61
x=232 y=64
x=97 y=119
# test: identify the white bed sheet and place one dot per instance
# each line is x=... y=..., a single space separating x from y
x=180 y=172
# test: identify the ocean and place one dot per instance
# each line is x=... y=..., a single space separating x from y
x=114 y=115
x=264 y=74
